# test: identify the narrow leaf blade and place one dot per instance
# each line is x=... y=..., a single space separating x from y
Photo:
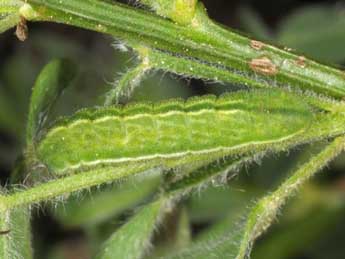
x=132 y=240
x=15 y=239
x=53 y=79
x=238 y=244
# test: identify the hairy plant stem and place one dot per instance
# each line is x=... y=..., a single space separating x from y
x=189 y=44
x=200 y=49
x=72 y=183
x=266 y=210
x=126 y=85
x=67 y=185
x=180 y=11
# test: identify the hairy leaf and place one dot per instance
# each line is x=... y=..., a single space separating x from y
x=175 y=234
x=15 y=236
x=238 y=244
x=106 y=144
x=315 y=214
x=132 y=240
x=264 y=213
x=126 y=85
x=53 y=79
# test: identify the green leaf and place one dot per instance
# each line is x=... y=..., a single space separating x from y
x=183 y=233
x=132 y=240
x=9 y=14
x=8 y=21
x=175 y=236
x=53 y=79
x=104 y=204
x=238 y=244
x=266 y=210
x=216 y=202
x=317 y=31
x=15 y=239
x=126 y=85
x=73 y=183
x=311 y=217
x=214 y=243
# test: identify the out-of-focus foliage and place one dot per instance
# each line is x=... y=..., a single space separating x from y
x=315 y=30
x=311 y=225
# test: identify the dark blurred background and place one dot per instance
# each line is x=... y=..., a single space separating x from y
x=312 y=225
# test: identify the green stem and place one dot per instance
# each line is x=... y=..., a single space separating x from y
x=205 y=48
x=67 y=185
x=330 y=125
x=180 y=11
x=265 y=211
x=126 y=85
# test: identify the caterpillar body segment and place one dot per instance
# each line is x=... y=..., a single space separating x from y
x=174 y=132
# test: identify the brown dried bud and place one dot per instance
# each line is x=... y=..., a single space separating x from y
x=22 y=31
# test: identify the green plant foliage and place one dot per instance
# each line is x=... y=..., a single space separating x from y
x=181 y=11
x=126 y=85
x=8 y=21
x=54 y=78
x=232 y=58
x=105 y=204
x=309 y=219
x=133 y=239
x=15 y=241
x=238 y=243
x=161 y=155
x=316 y=31
x=265 y=211
x=216 y=204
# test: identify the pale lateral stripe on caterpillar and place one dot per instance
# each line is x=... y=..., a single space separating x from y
x=173 y=129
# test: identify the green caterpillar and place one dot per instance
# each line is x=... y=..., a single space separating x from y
x=173 y=130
